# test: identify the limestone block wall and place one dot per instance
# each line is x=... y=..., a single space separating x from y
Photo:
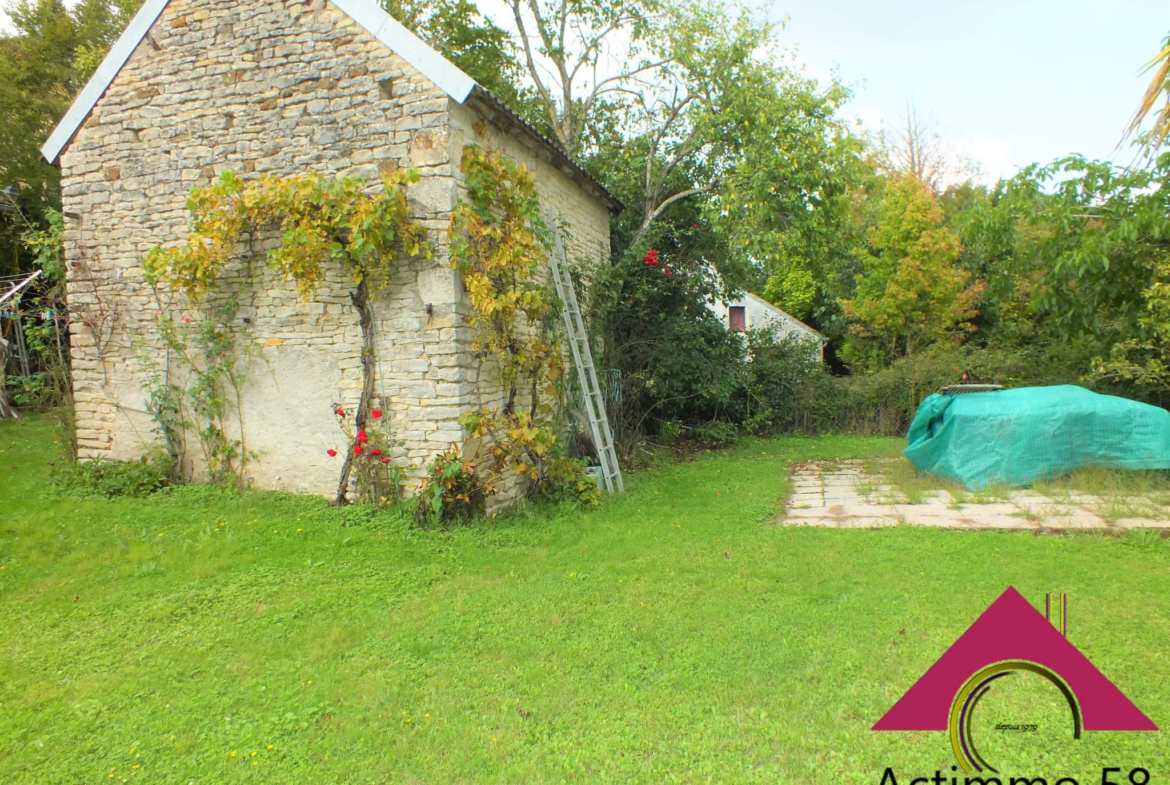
x=278 y=87
x=583 y=217
x=261 y=87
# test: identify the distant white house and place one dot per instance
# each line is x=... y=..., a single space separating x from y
x=755 y=313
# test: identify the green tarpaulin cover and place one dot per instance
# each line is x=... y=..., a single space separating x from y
x=1013 y=437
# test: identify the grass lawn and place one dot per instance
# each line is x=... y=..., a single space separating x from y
x=1122 y=493
x=673 y=635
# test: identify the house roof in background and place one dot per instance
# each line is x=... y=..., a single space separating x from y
x=445 y=74
x=785 y=314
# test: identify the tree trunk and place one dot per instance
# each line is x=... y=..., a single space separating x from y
x=365 y=309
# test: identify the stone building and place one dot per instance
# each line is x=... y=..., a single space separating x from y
x=281 y=87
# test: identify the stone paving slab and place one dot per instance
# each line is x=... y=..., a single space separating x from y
x=840 y=494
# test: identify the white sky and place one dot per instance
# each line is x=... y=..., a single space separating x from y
x=1009 y=81
x=1012 y=81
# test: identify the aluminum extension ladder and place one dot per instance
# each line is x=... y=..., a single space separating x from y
x=611 y=472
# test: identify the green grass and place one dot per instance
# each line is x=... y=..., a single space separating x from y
x=1106 y=483
x=673 y=635
x=1123 y=493
x=910 y=485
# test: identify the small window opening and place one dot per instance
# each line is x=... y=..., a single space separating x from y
x=737 y=318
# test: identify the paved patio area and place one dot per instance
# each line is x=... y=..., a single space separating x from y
x=841 y=494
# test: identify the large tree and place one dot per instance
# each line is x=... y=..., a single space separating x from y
x=911 y=293
x=473 y=42
x=584 y=58
x=694 y=118
x=44 y=63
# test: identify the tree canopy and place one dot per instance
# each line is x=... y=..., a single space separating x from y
x=740 y=173
x=44 y=62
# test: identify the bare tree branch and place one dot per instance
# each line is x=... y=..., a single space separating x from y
x=550 y=107
x=675 y=112
x=657 y=211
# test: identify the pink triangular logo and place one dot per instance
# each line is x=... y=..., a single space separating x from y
x=1012 y=630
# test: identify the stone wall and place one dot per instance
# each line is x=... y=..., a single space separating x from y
x=280 y=88
x=584 y=224
x=585 y=219
x=260 y=88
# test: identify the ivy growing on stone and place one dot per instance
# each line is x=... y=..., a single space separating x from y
x=501 y=245
x=322 y=222
x=217 y=357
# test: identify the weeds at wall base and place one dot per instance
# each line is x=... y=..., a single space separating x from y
x=108 y=478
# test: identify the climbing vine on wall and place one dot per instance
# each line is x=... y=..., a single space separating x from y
x=322 y=222
x=217 y=358
x=500 y=243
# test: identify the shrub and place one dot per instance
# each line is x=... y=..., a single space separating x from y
x=30 y=391
x=451 y=491
x=102 y=477
x=376 y=479
x=676 y=360
x=885 y=402
x=686 y=378
x=717 y=434
x=780 y=380
x=567 y=482
x=670 y=431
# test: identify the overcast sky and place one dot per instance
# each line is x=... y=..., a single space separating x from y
x=1011 y=81
x=1015 y=81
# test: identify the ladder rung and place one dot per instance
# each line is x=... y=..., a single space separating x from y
x=593 y=398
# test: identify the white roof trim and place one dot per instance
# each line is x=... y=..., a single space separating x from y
x=797 y=323
x=377 y=22
x=96 y=86
x=409 y=47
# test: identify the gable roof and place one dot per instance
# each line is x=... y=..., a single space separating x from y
x=1011 y=629
x=789 y=317
x=388 y=30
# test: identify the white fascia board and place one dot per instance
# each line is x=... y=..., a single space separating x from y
x=786 y=316
x=409 y=47
x=366 y=13
x=102 y=78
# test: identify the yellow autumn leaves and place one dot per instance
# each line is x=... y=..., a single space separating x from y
x=319 y=220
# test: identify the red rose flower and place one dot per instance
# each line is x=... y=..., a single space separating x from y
x=385 y=460
x=375 y=453
x=332 y=453
x=357 y=450
x=376 y=414
x=696 y=226
x=361 y=437
x=651 y=259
